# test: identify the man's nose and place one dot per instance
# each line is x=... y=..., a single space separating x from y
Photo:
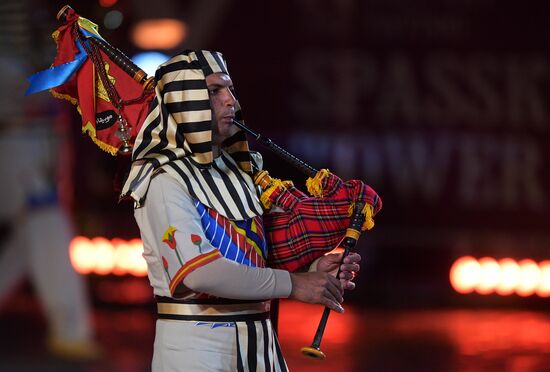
x=229 y=98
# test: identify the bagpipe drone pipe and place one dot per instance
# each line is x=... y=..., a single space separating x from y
x=113 y=96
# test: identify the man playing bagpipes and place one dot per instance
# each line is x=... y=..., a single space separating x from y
x=200 y=216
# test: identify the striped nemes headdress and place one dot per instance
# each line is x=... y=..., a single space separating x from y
x=177 y=137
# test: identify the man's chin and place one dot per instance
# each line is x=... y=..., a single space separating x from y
x=226 y=129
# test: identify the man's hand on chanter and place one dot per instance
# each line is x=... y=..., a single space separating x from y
x=349 y=268
x=317 y=288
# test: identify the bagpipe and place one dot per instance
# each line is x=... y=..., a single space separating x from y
x=113 y=96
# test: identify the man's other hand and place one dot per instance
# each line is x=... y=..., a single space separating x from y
x=317 y=288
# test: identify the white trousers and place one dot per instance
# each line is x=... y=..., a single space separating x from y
x=185 y=346
x=214 y=347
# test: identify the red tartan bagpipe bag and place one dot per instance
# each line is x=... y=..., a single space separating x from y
x=300 y=228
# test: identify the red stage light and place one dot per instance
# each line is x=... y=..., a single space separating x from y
x=510 y=275
x=152 y=34
x=530 y=278
x=543 y=289
x=103 y=257
x=490 y=276
x=465 y=274
x=81 y=255
x=486 y=275
x=103 y=254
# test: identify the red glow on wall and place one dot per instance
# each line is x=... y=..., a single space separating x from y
x=103 y=257
x=107 y=3
x=503 y=277
x=543 y=289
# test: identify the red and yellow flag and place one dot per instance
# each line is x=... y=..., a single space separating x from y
x=74 y=77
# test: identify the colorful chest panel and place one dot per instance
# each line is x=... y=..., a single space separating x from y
x=240 y=241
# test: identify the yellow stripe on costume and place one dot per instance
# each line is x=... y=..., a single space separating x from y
x=191 y=265
x=250 y=241
x=253 y=227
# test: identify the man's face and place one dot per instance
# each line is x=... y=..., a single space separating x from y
x=222 y=102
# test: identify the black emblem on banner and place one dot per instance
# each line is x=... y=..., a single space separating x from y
x=105 y=119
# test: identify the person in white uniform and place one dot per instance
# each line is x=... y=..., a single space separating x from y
x=36 y=241
x=201 y=225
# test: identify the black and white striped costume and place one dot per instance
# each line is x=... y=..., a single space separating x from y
x=175 y=143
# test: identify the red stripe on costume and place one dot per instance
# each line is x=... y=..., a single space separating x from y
x=259 y=227
x=192 y=265
x=239 y=239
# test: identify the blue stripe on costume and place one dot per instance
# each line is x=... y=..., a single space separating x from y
x=258 y=239
x=218 y=237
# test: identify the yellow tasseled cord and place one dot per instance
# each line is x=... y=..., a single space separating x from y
x=369 y=221
x=367 y=212
x=315 y=185
x=274 y=185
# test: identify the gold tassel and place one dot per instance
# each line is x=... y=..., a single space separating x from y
x=105 y=147
x=72 y=100
x=89 y=129
x=369 y=221
x=55 y=35
x=315 y=185
x=264 y=198
x=288 y=184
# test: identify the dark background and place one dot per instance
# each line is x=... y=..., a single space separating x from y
x=441 y=106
